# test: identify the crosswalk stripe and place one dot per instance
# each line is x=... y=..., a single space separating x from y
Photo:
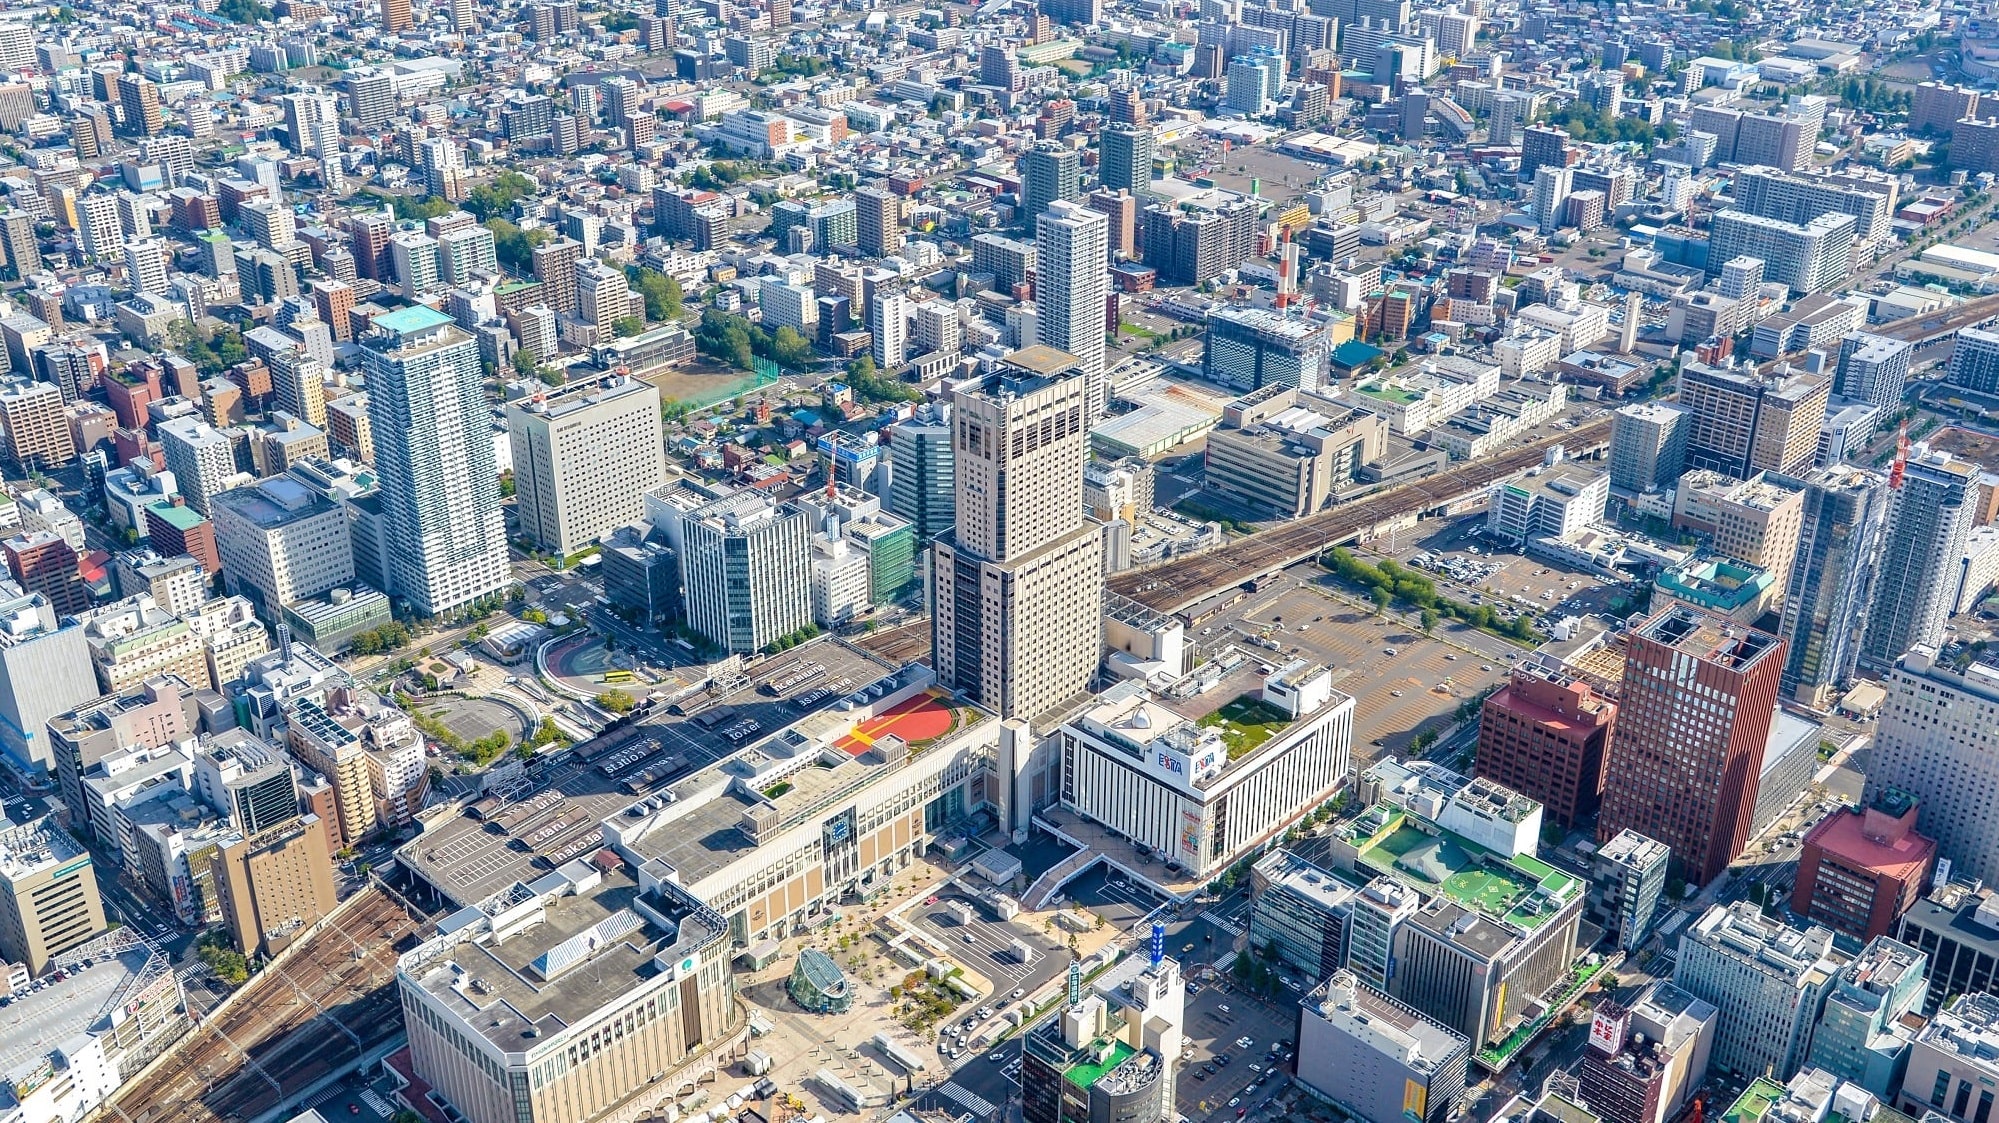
x=978 y=1104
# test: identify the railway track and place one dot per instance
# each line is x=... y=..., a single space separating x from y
x=903 y=643
x=1175 y=585
x=325 y=1007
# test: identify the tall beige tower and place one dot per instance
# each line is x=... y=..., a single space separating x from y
x=1018 y=620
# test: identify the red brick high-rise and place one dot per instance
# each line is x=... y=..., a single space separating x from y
x=1694 y=714
x=1546 y=735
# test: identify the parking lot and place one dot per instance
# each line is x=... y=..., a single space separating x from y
x=1218 y=1021
x=1403 y=682
x=1508 y=579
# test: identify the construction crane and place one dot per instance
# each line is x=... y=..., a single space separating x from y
x=1901 y=458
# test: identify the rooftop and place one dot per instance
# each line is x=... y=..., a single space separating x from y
x=1708 y=638
x=1522 y=891
x=407 y=321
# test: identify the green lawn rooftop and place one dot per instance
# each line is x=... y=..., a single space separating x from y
x=1246 y=723
x=1754 y=1101
x=1085 y=1075
x=1466 y=873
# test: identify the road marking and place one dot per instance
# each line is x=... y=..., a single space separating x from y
x=979 y=1105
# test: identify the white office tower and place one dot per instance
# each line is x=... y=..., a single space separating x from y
x=1768 y=980
x=1939 y=741
x=747 y=567
x=1072 y=283
x=585 y=455
x=434 y=456
x=1018 y=620
x=313 y=120
x=891 y=330
x=1929 y=520
x=146 y=265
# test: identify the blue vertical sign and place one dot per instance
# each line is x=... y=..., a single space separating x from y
x=1158 y=941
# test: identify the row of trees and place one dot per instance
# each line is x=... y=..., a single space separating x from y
x=1389 y=581
x=868 y=384
x=375 y=641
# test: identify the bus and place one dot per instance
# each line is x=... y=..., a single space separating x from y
x=616 y=677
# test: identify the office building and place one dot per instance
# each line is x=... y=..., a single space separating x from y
x=1546 y=734
x=1648 y=445
x=1768 y=980
x=1018 y=583
x=1124 y=157
x=746 y=567
x=1861 y=868
x=44 y=671
x=1744 y=422
x=246 y=780
x=44 y=564
x=1929 y=520
x=1957 y=927
x=440 y=485
x=1299 y=912
x=1827 y=602
x=1192 y=797
x=1110 y=1054
x=160 y=712
x=1627 y=886
x=1251 y=348
x=1873 y=369
x=1377 y=1059
x=613 y=976
x=922 y=482
x=1071 y=288
x=1554 y=505
x=584 y=457
x=1953 y=1067
x=49 y=902
x=642 y=573
x=1935 y=743
x=1806 y=256
x=1286 y=454
x=1861 y=1037
x=1643 y=1062
x=1694 y=713
x=281 y=543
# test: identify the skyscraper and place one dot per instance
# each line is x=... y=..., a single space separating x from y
x=434 y=454
x=1825 y=607
x=1694 y=714
x=1047 y=174
x=921 y=487
x=1930 y=517
x=584 y=457
x=1544 y=734
x=1125 y=157
x=1019 y=582
x=1072 y=287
